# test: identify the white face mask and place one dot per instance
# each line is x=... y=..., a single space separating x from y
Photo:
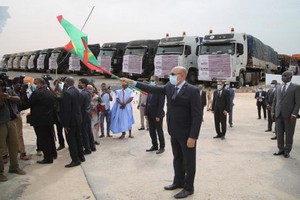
x=173 y=79
x=33 y=87
x=219 y=87
x=61 y=86
x=272 y=85
x=152 y=83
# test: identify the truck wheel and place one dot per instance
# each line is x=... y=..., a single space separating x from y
x=241 y=79
x=192 y=77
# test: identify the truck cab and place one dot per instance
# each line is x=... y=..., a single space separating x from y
x=43 y=60
x=59 y=60
x=138 y=59
x=32 y=62
x=4 y=61
x=24 y=60
x=11 y=61
x=17 y=61
x=175 y=51
x=235 y=57
x=110 y=57
x=294 y=64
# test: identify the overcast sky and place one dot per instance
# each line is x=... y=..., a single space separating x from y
x=32 y=24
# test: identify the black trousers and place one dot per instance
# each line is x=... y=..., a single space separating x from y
x=59 y=131
x=270 y=121
x=45 y=138
x=259 y=106
x=87 y=136
x=75 y=143
x=156 y=130
x=220 y=120
x=184 y=163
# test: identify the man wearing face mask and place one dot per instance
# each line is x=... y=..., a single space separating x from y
x=220 y=109
x=155 y=114
x=184 y=118
x=285 y=109
x=260 y=97
x=269 y=101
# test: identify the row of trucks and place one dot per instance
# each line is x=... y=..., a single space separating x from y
x=237 y=57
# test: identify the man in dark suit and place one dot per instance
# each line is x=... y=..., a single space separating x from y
x=71 y=119
x=41 y=103
x=86 y=130
x=154 y=112
x=203 y=98
x=184 y=118
x=220 y=109
x=269 y=101
x=285 y=109
x=260 y=97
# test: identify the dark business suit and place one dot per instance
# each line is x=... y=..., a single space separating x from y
x=203 y=99
x=261 y=102
x=155 y=108
x=86 y=130
x=71 y=119
x=41 y=103
x=184 y=118
x=221 y=103
x=269 y=101
x=284 y=105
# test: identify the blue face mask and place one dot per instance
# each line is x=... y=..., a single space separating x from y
x=219 y=87
x=152 y=83
x=173 y=79
x=226 y=87
x=33 y=88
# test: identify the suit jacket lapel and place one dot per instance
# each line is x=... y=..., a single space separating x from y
x=182 y=89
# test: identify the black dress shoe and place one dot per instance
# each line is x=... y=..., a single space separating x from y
x=183 y=194
x=173 y=186
x=60 y=148
x=73 y=164
x=152 y=149
x=217 y=136
x=82 y=159
x=44 y=162
x=223 y=138
x=274 y=138
x=286 y=155
x=268 y=130
x=161 y=150
x=141 y=129
x=278 y=153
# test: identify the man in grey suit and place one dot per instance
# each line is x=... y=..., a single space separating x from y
x=285 y=110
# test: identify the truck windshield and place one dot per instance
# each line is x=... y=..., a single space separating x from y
x=55 y=55
x=217 y=49
x=169 y=50
x=135 y=51
x=109 y=53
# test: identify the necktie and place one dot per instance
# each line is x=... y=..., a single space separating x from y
x=175 y=93
x=219 y=94
x=283 y=89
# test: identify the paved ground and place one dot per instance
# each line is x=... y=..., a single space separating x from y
x=240 y=167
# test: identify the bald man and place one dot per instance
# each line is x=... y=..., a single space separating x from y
x=184 y=117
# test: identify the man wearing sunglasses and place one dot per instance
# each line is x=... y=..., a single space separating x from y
x=184 y=117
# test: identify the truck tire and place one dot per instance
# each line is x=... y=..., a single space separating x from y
x=192 y=77
x=241 y=79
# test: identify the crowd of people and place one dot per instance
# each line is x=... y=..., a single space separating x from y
x=84 y=115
